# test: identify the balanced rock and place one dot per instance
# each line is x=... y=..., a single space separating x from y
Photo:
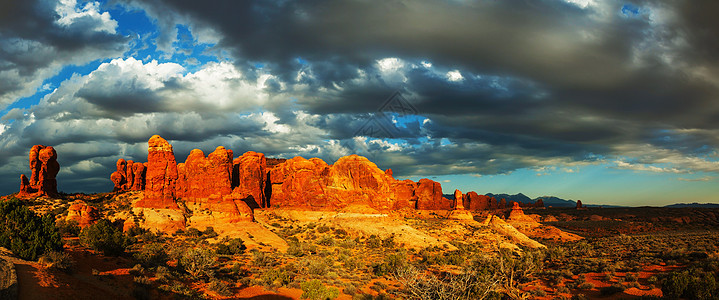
x=43 y=169
x=85 y=215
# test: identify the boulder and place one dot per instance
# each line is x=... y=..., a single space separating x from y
x=8 y=280
x=82 y=213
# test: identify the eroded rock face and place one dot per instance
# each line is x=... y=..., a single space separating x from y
x=43 y=169
x=249 y=179
x=161 y=175
x=473 y=201
x=458 y=200
x=429 y=196
x=313 y=184
x=579 y=204
x=82 y=213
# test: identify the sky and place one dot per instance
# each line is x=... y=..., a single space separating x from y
x=610 y=102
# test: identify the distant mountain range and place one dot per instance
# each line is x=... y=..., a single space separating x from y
x=701 y=205
x=548 y=200
x=559 y=202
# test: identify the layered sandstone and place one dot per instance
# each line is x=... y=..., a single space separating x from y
x=85 y=215
x=43 y=169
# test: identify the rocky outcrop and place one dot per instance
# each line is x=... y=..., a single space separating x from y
x=129 y=176
x=82 y=213
x=161 y=175
x=473 y=201
x=249 y=179
x=511 y=232
x=539 y=203
x=517 y=214
x=429 y=196
x=459 y=213
x=43 y=169
x=579 y=204
x=8 y=280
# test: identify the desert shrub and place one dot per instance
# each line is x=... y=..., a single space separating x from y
x=103 y=236
x=162 y=274
x=57 y=260
x=586 y=286
x=388 y=242
x=26 y=234
x=323 y=229
x=475 y=282
x=630 y=277
x=315 y=290
x=209 y=232
x=326 y=241
x=299 y=249
x=373 y=241
x=137 y=270
x=193 y=232
x=277 y=277
x=219 y=287
x=340 y=233
x=152 y=255
x=68 y=228
x=198 y=262
x=391 y=264
x=316 y=266
x=262 y=259
x=231 y=247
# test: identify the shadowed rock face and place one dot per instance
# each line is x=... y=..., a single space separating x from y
x=43 y=169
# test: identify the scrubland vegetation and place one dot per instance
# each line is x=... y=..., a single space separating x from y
x=325 y=261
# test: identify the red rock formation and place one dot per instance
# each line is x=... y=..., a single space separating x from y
x=82 y=213
x=43 y=169
x=299 y=182
x=138 y=169
x=475 y=202
x=128 y=176
x=249 y=176
x=205 y=177
x=161 y=175
x=429 y=196
x=539 y=203
x=579 y=204
x=502 y=204
x=458 y=201
x=353 y=179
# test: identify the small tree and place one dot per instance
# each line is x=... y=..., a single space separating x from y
x=103 y=236
x=26 y=234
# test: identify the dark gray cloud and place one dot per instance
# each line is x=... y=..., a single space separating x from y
x=38 y=38
x=497 y=85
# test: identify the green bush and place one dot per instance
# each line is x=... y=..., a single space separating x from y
x=277 y=277
x=26 y=234
x=220 y=287
x=152 y=255
x=105 y=237
x=68 y=228
x=231 y=247
x=315 y=290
